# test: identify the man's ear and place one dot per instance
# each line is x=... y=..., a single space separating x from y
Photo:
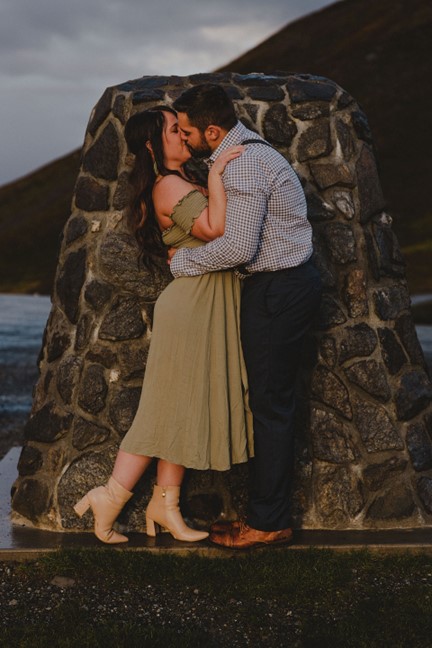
x=213 y=133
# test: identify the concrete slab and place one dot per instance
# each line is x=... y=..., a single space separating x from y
x=23 y=543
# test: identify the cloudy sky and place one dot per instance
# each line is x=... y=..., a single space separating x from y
x=58 y=56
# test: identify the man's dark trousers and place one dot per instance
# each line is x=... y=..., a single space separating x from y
x=276 y=312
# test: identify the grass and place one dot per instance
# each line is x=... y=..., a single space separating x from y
x=313 y=598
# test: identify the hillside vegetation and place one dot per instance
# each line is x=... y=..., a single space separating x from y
x=33 y=211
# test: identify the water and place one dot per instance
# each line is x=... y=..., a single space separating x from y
x=22 y=322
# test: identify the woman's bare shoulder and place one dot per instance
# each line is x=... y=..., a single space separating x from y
x=172 y=182
x=168 y=191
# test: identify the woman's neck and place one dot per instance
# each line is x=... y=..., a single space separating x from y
x=178 y=168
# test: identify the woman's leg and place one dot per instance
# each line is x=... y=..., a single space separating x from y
x=169 y=474
x=129 y=468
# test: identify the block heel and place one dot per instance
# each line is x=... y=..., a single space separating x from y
x=82 y=506
x=152 y=527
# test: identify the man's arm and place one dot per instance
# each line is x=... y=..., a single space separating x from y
x=246 y=209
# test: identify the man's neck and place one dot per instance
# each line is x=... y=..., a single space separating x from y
x=220 y=140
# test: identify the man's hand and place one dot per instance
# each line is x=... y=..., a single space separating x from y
x=171 y=252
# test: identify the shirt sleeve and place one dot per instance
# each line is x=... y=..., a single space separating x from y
x=247 y=190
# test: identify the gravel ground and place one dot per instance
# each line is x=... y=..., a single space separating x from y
x=365 y=600
x=179 y=610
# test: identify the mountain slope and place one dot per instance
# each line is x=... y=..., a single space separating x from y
x=33 y=211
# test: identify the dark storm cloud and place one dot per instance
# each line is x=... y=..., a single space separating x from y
x=31 y=31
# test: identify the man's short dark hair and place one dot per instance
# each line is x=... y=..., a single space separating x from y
x=207 y=104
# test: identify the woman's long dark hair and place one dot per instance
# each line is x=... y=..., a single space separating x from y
x=147 y=126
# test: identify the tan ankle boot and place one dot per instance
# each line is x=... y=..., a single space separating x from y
x=106 y=503
x=163 y=511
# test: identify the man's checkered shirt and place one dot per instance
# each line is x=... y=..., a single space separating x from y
x=266 y=217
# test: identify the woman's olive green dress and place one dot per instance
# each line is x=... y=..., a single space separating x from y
x=193 y=409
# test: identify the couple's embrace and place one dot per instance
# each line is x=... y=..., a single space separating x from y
x=227 y=336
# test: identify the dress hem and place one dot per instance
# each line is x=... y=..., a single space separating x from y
x=188 y=465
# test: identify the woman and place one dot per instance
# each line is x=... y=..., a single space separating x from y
x=192 y=412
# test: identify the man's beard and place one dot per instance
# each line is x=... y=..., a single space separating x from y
x=201 y=151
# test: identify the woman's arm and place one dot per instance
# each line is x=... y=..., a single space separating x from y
x=210 y=224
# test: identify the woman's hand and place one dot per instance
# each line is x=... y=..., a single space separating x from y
x=218 y=166
x=211 y=222
x=171 y=252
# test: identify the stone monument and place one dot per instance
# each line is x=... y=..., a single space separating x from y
x=364 y=452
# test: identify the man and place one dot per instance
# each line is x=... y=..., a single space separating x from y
x=269 y=240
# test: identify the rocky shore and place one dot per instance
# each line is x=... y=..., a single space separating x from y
x=15 y=382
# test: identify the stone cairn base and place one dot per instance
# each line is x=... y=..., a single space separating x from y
x=364 y=453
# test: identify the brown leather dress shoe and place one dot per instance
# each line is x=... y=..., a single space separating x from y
x=241 y=536
x=223 y=525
